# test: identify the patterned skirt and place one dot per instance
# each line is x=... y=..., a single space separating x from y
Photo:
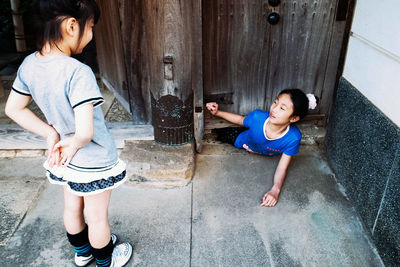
x=87 y=181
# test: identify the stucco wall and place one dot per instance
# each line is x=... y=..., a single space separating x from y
x=373 y=56
x=363 y=133
x=363 y=147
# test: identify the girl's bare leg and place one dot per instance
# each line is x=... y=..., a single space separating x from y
x=73 y=212
x=96 y=212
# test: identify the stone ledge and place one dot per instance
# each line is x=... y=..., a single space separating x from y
x=312 y=134
x=150 y=164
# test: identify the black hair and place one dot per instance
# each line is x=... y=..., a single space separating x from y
x=299 y=100
x=51 y=13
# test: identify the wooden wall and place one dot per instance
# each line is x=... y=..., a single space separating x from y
x=245 y=55
x=110 y=55
x=227 y=46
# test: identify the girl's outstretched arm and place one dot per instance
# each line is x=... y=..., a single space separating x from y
x=271 y=197
x=83 y=133
x=231 y=117
x=17 y=109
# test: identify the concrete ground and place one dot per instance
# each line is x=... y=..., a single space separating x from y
x=216 y=220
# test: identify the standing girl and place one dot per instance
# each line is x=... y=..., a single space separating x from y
x=269 y=133
x=82 y=154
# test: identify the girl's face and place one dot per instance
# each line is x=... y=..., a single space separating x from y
x=281 y=111
x=86 y=37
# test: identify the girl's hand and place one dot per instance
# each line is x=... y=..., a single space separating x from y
x=270 y=198
x=248 y=149
x=52 y=139
x=68 y=147
x=212 y=107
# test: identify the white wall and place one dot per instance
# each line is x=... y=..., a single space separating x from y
x=373 y=57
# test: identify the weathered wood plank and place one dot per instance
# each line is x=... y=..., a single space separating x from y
x=109 y=48
x=235 y=48
x=300 y=46
x=244 y=54
x=1 y=88
x=197 y=74
x=132 y=31
x=338 y=47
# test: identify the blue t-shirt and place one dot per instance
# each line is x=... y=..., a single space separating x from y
x=256 y=140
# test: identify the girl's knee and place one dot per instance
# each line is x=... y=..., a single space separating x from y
x=96 y=207
x=73 y=210
x=73 y=207
x=95 y=216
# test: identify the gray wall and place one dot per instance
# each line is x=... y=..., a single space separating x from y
x=363 y=146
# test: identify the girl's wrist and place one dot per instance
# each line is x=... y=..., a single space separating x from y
x=51 y=132
x=276 y=189
x=78 y=141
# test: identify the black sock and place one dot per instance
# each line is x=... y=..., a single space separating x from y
x=80 y=242
x=103 y=255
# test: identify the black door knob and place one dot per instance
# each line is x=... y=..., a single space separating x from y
x=274 y=2
x=273 y=18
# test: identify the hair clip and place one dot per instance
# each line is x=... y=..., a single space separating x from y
x=312 y=101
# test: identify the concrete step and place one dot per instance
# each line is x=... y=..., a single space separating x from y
x=150 y=164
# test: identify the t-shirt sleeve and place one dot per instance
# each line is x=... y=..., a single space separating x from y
x=293 y=148
x=19 y=85
x=84 y=89
x=248 y=120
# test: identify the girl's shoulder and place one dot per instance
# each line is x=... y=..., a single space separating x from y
x=294 y=132
x=257 y=113
x=34 y=60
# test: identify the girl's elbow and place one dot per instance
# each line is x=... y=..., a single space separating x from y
x=241 y=122
x=89 y=136
x=84 y=138
x=9 y=111
x=6 y=111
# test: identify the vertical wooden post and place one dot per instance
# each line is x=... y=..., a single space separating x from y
x=197 y=80
x=18 y=26
x=169 y=61
x=1 y=88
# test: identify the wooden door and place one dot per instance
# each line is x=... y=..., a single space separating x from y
x=110 y=54
x=247 y=61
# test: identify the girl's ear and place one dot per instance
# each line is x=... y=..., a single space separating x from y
x=71 y=26
x=294 y=119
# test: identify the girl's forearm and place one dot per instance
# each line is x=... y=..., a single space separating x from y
x=231 y=117
x=280 y=172
x=279 y=177
x=28 y=120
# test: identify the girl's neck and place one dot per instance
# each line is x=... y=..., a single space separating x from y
x=273 y=131
x=54 y=50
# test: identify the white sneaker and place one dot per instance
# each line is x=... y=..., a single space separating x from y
x=121 y=255
x=83 y=261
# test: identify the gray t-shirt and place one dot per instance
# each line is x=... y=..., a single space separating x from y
x=58 y=85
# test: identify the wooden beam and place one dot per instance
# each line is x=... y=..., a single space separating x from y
x=19 y=33
x=1 y=88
